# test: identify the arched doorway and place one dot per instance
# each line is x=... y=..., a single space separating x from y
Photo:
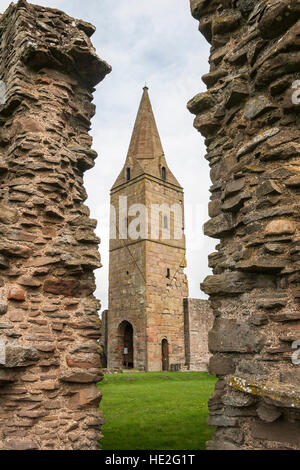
x=126 y=344
x=165 y=354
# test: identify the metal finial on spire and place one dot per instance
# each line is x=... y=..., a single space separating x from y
x=145 y=87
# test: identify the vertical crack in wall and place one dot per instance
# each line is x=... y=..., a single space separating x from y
x=250 y=119
x=49 y=355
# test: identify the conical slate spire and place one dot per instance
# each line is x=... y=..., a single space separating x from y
x=145 y=153
x=145 y=140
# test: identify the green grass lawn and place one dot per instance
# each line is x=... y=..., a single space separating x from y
x=156 y=410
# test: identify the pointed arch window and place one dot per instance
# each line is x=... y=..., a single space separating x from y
x=163 y=174
x=128 y=174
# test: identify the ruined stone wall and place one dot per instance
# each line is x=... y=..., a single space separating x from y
x=49 y=356
x=250 y=118
x=198 y=321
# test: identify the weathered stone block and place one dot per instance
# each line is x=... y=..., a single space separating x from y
x=278 y=17
x=263 y=264
x=259 y=319
x=221 y=365
x=7 y=376
x=270 y=304
x=221 y=421
x=237 y=399
x=280 y=227
x=234 y=336
x=69 y=288
x=233 y=283
x=3 y=308
x=256 y=107
x=206 y=124
x=16 y=293
x=235 y=203
x=87 y=362
x=291 y=377
x=201 y=102
x=20 y=444
x=84 y=397
x=20 y=356
x=279 y=431
x=268 y=413
x=219 y=226
x=8 y=215
x=82 y=377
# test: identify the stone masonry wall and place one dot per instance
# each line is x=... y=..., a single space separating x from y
x=126 y=285
x=154 y=308
x=49 y=357
x=164 y=306
x=250 y=118
x=198 y=321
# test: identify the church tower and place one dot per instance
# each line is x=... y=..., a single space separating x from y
x=147 y=284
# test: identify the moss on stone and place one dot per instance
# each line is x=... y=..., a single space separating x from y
x=287 y=395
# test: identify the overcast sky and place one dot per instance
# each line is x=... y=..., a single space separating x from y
x=157 y=42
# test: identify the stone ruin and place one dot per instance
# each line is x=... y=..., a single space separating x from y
x=251 y=121
x=151 y=324
x=49 y=327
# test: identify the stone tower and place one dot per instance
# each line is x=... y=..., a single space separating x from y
x=147 y=283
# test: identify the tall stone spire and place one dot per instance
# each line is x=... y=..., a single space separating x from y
x=145 y=154
x=145 y=141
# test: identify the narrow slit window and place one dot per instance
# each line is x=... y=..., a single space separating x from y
x=128 y=174
x=168 y=273
x=163 y=173
x=166 y=222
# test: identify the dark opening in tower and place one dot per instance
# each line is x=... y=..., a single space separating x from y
x=126 y=344
x=165 y=354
